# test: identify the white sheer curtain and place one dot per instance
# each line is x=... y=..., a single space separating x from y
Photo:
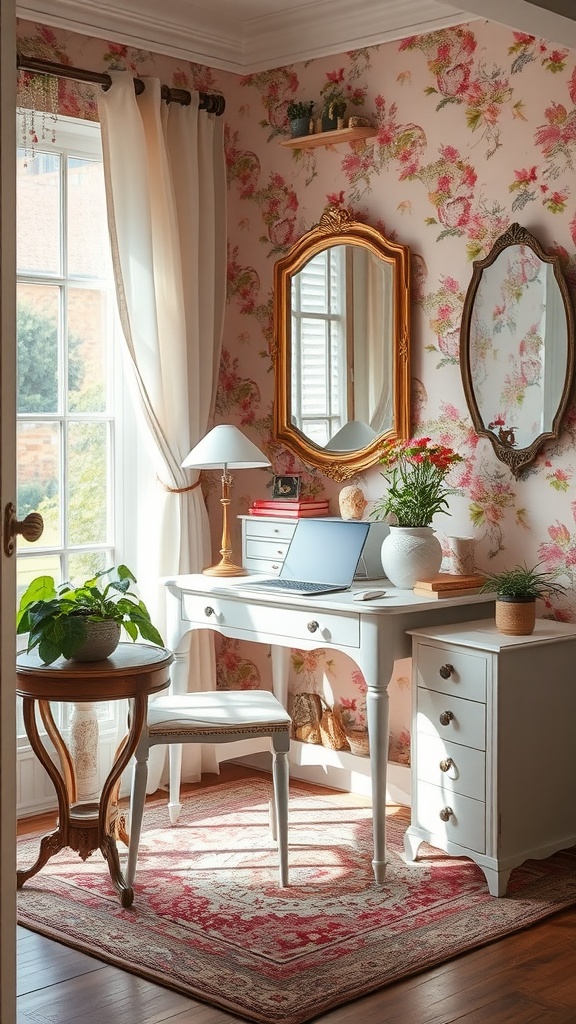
x=166 y=197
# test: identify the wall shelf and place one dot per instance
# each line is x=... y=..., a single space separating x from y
x=330 y=138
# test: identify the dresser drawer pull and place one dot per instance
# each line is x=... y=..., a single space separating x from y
x=446 y=717
x=446 y=671
x=446 y=813
x=208 y=611
x=275 y=566
x=313 y=626
x=446 y=765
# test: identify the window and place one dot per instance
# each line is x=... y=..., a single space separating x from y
x=66 y=398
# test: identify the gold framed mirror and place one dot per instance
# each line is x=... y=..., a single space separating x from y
x=341 y=319
x=517 y=347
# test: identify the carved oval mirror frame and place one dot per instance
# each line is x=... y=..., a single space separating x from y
x=475 y=332
x=336 y=227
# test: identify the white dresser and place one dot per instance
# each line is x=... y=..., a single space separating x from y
x=265 y=542
x=494 y=744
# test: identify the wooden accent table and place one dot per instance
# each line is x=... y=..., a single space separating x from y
x=133 y=672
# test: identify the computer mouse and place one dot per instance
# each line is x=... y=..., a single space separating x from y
x=368 y=595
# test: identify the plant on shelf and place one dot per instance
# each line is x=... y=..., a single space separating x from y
x=516 y=592
x=415 y=471
x=299 y=114
x=61 y=619
x=334 y=101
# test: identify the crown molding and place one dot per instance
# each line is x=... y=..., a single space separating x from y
x=218 y=38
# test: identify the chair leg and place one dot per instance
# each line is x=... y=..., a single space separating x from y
x=137 y=801
x=174 y=805
x=280 y=778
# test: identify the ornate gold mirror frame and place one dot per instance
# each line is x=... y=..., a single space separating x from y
x=517 y=347
x=337 y=228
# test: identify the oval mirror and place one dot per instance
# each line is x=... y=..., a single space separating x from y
x=341 y=317
x=517 y=347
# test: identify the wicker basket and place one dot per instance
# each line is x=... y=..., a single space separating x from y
x=332 y=730
x=358 y=741
x=306 y=715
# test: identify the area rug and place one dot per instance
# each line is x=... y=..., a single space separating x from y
x=210 y=921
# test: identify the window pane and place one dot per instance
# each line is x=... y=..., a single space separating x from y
x=87 y=220
x=39 y=565
x=38 y=213
x=84 y=564
x=37 y=332
x=39 y=479
x=88 y=483
x=87 y=325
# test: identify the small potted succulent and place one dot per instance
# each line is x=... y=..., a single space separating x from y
x=300 y=114
x=83 y=622
x=516 y=592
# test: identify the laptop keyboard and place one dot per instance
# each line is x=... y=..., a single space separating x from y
x=308 y=588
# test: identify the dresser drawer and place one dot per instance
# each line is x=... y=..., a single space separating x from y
x=463 y=721
x=466 y=824
x=452 y=672
x=269 y=566
x=268 y=528
x=267 y=620
x=258 y=547
x=464 y=767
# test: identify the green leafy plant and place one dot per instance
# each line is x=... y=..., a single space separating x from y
x=299 y=108
x=522 y=582
x=55 y=616
x=416 y=472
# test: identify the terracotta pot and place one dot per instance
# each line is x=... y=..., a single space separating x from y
x=515 y=616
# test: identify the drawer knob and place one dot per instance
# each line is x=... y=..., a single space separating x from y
x=446 y=765
x=446 y=671
x=446 y=813
x=313 y=626
x=446 y=717
x=208 y=611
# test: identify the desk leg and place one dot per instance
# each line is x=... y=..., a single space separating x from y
x=377 y=667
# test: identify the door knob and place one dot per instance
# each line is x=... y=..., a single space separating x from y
x=31 y=528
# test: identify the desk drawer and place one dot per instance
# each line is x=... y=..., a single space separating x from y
x=268 y=622
x=466 y=820
x=452 y=767
x=465 y=673
x=451 y=718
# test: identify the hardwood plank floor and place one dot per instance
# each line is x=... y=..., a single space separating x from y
x=525 y=978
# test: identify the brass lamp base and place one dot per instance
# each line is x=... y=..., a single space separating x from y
x=225 y=568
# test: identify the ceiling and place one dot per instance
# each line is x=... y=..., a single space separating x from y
x=255 y=35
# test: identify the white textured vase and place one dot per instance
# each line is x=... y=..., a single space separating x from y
x=411 y=553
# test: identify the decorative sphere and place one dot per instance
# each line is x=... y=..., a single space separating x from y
x=352 y=502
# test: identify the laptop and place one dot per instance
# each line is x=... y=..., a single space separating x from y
x=322 y=558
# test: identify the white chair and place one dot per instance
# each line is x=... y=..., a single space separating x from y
x=215 y=716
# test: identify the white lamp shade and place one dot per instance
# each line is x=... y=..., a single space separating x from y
x=225 y=445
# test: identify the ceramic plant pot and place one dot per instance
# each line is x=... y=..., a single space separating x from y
x=515 y=616
x=409 y=554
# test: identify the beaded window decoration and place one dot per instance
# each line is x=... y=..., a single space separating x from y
x=38 y=111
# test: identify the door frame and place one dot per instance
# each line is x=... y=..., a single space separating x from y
x=7 y=494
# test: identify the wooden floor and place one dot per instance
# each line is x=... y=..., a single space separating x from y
x=528 y=977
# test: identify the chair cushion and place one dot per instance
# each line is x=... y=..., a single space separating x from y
x=227 y=709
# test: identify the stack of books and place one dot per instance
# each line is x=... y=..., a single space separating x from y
x=448 y=584
x=291 y=508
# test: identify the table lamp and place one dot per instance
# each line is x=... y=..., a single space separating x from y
x=225 y=447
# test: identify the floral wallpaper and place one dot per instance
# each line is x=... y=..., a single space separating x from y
x=476 y=129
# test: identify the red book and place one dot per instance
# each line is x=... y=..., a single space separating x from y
x=284 y=513
x=275 y=503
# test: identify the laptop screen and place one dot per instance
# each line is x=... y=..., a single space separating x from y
x=325 y=551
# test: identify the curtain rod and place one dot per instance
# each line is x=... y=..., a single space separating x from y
x=213 y=104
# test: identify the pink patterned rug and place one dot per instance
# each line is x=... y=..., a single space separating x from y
x=209 y=920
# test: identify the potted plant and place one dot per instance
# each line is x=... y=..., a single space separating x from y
x=83 y=622
x=516 y=592
x=299 y=114
x=415 y=471
x=333 y=106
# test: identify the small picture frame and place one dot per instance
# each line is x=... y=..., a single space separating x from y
x=286 y=487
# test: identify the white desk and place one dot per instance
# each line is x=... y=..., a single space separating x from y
x=372 y=634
